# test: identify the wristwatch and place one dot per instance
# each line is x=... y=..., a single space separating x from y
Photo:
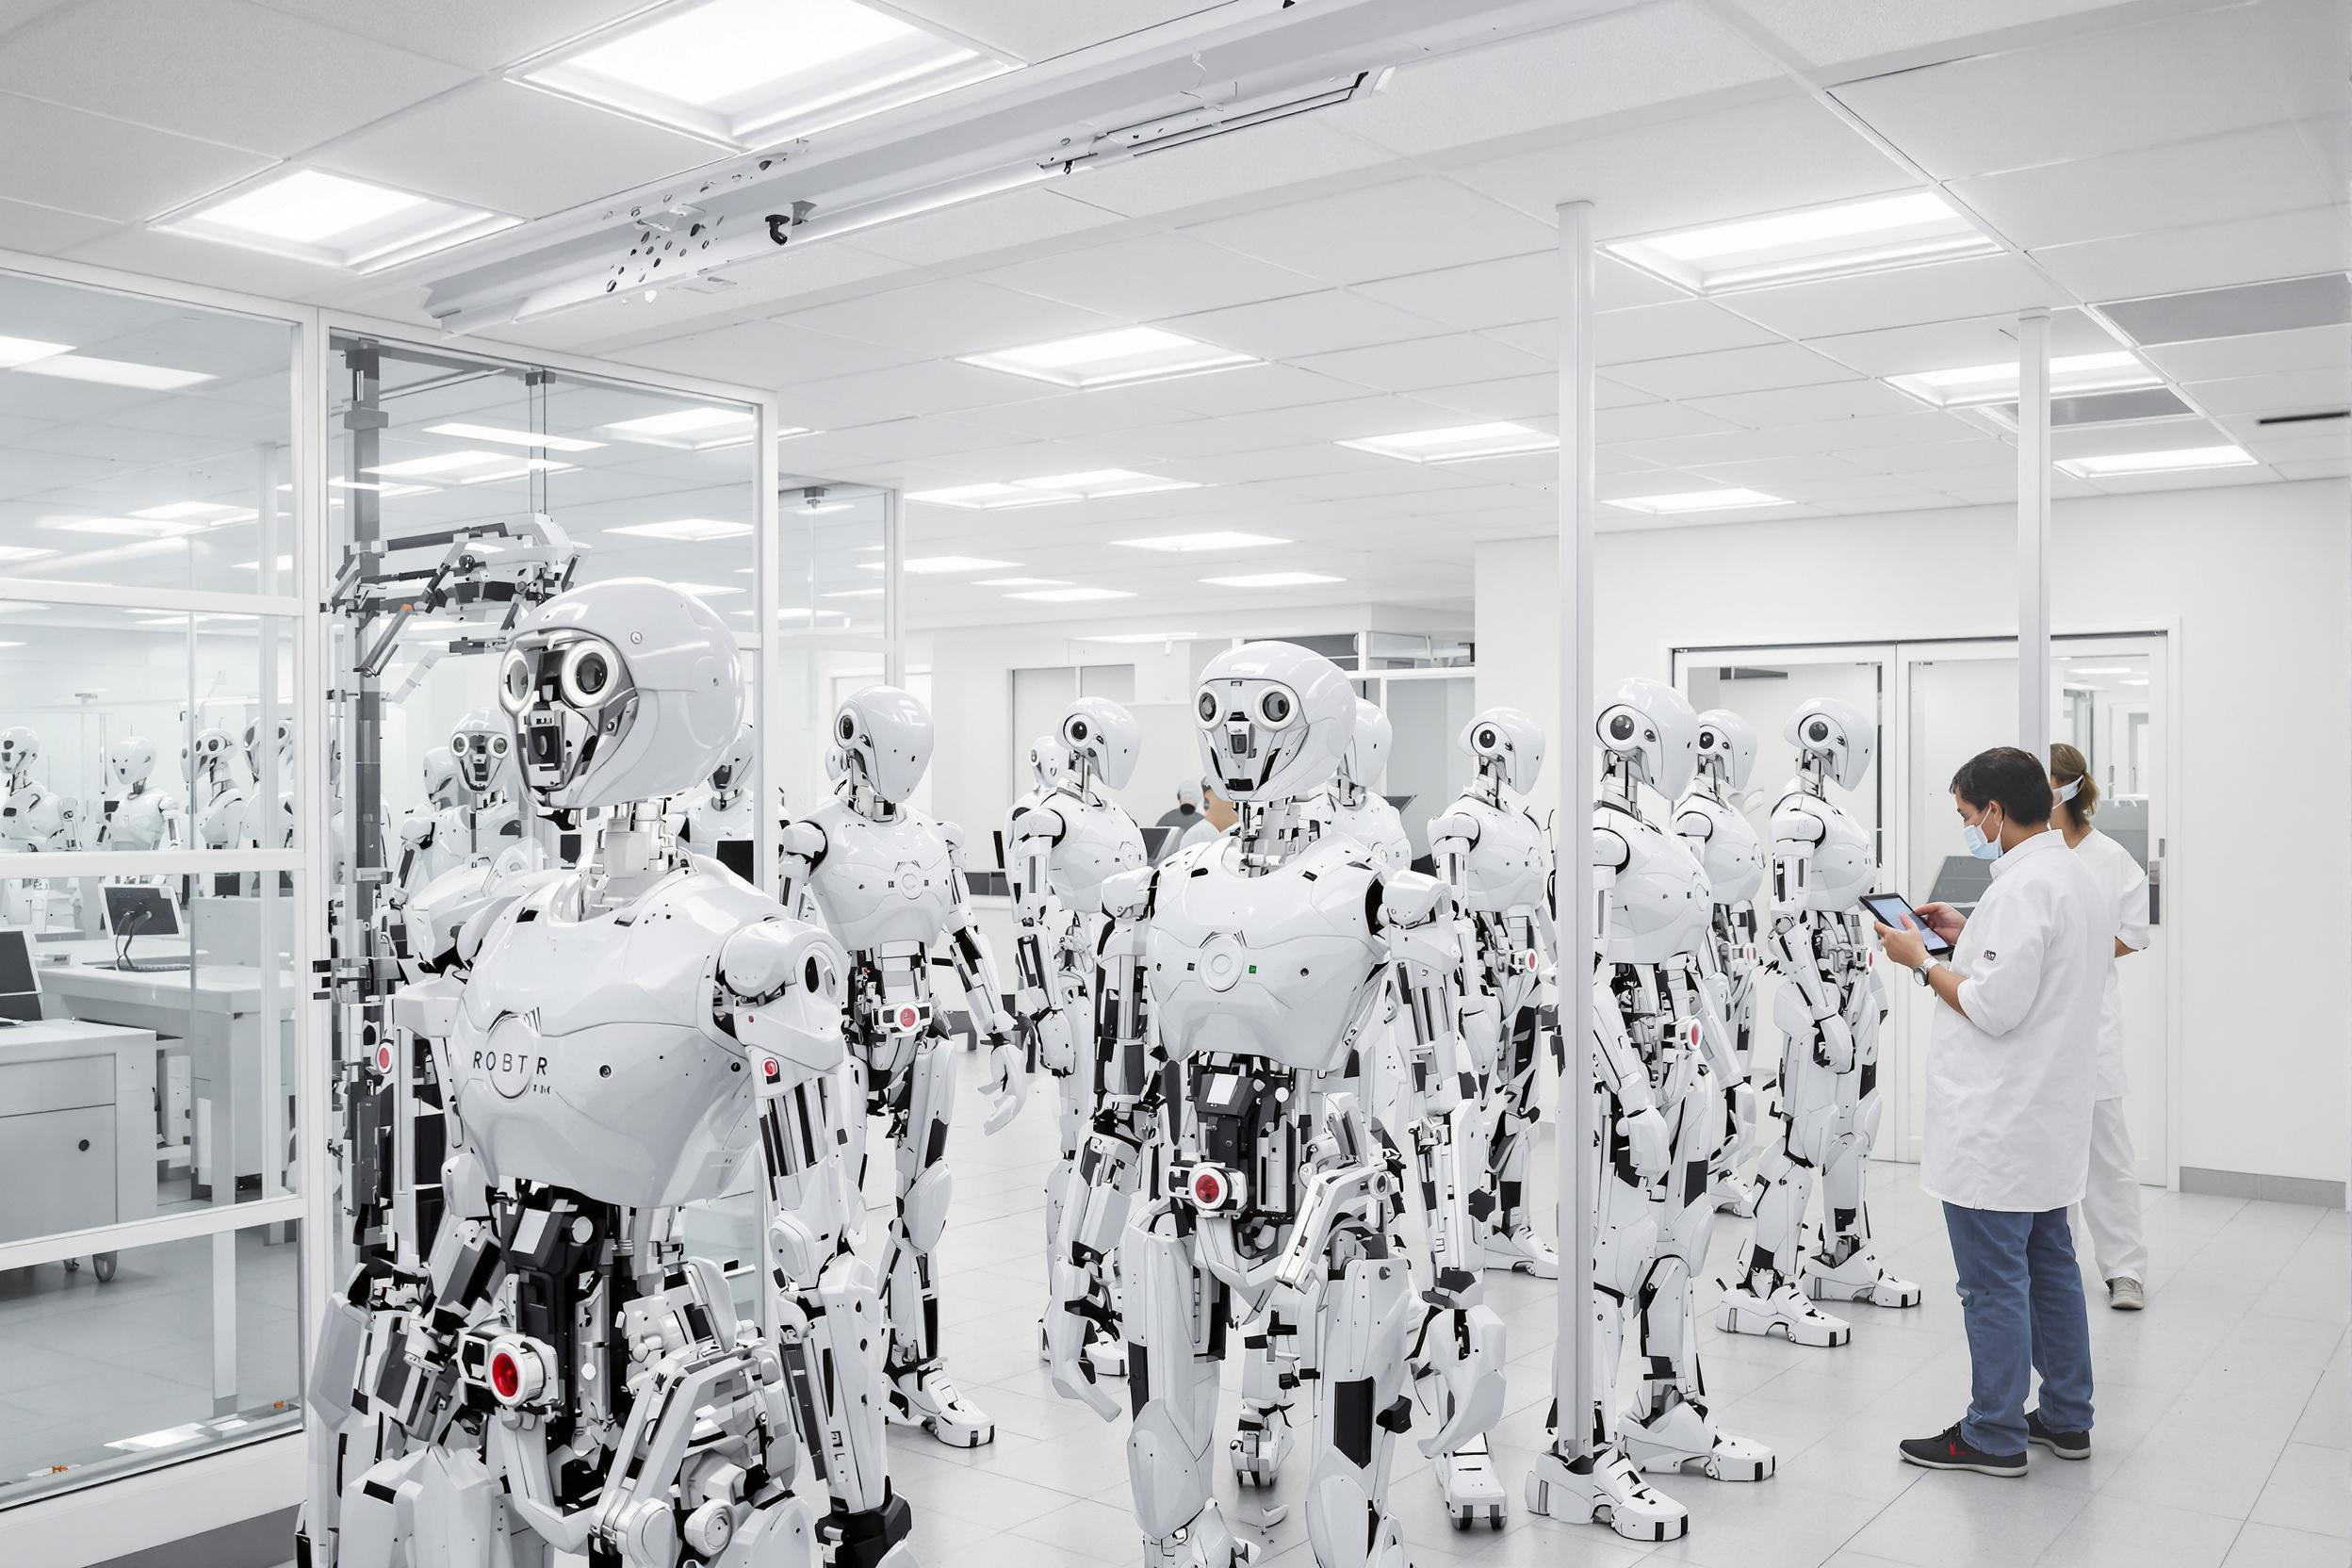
x=1921 y=968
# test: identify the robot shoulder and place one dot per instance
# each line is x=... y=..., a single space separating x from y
x=1127 y=894
x=804 y=839
x=1454 y=823
x=1412 y=898
x=1797 y=819
x=1692 y=821
x=765 y=960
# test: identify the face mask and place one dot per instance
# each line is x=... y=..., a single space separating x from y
x=2069 y=789
x=1978 y=844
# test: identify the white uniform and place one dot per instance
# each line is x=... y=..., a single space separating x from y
x=2010 y=1085
x=2111 y=1201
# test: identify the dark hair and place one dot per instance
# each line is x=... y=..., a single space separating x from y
x=2068 y=766
x=2009 y=778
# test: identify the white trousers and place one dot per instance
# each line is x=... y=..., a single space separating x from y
x=2110 y=1199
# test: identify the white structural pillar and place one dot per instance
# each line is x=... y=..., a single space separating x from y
x=2033 y=531
x=893 y=590
x=1572 y=909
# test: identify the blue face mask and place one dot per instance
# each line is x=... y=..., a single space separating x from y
x=1978 y=844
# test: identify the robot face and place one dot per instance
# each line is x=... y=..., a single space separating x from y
x=1105 y=735
x=20 y=748
x=1726 y=747
x=281 y=734
x=735 y=769
x=1652 y=723
x=1504 y=740
x=479 y=747
x=1274 y=721
x=885 y=734
x=212 y=752
x=129 y=760
x=1367 y=754
x=1838 y=734
x=570 y=695
x=1049 y=761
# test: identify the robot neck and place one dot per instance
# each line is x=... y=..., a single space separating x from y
x=1270 y=833
x=1348 y=792
x=1711 y=784
x=868 y=802
x=1813 y=774
x=1620 y=781
x=1487 y=786
x=636 y=849
x=724 y=800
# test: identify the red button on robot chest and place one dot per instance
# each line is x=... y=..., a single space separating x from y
x=770 y=1068
x=384 y=1058
x=907 y=1016
x=505 y=1377
x=1207 y=1188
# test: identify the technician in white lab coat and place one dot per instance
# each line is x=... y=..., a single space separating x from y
x=2111 y=1201
x=2012 y=1067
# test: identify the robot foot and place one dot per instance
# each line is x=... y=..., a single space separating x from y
x=1860 y=1278
x=1785 y=1312
x=1521 y=1252
x=1205 y=1543
x=1732 y=1194
x=1109 y=1357
x=926 y=1396
x=1474 y=1492
x=1679 y=1438
x=1604 y=1488
x=1261 y=1445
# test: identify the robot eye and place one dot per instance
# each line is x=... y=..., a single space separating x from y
x=1206 y=706
x=1816 y=731
x=498 y=744
x=1487 y=739
x=1621 y=727
x=845 y=727
x=1706 y=740
x=589 y=669
x=1276 y=707
x=1078 y=729
x=514 y=683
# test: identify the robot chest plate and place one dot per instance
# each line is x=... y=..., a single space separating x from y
x=1661 y=904
x=1843 y=866
x=1510 y=865
x=1733 y=857
x=1272 y=966
x=1376 y=827
x=884 y=882
x=1098 y=843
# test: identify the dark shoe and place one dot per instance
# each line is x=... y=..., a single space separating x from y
x=1948 y=1450
x=2065 y=1445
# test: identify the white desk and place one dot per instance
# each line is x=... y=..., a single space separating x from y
x=77 y=1145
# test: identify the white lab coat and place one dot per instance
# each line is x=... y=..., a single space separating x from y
x=2126 y=887
x=2010 y=1085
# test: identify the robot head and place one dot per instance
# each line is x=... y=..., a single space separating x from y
x=1840 y=737
x=210 y=759
x=480 y=745
x=1049 y=761
x=1652 y=723
x=1274 y=721
x=1726 y=747
x=620 y=691
x=281 y=737
x=735 y=769
x=1504 y=740
x=1367 y=754
x=883 y=734
x=129 y=760
x=441 y=776
x=1100 y=734
x=20 y=748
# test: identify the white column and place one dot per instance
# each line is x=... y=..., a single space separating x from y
x=2033 y=531
x=1572 y=907
x=767 y=565
x=893 y=594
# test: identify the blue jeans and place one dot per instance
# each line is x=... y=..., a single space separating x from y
x=2021 y=1296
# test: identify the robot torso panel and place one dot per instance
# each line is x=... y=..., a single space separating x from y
x=880 y=882
x=1840 y=866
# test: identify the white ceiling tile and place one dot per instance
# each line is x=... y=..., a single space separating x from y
x=222 y=69
x=1911 y=500
x=1827 y=31
x=1196 y=437
x=1251 y=387
x=1326 y=321
x=2222 y=358
x=465 y=31
x=901 y=440
x=2198 y=478
x=1950 y=345
x=1447 y=361
x=1725 y=445
x=1651 y=421
x=1605 y=65
x=62 y=157
x=1981 y=286
x=1355 y=418
x=1732 y=163
x=1526 y=397
x=936 y=386
x=1881 y=429
x=979 y=228
x=1408 y=226
x=2244 y=174
x=1083 y=414
x=1934 y=457
x=1861 y=487
x=2304 y=449
x=1151 y=276
x=46 y=230
x=1662 y=331
x=2208 y=255
x=2287 y=391
x=17 y=13
x=1274 y=463
x=198 y=261
x=510 y=149
x=1514 y=289
x=1219 y=168
x=766 y=354
x=1778 y=476
x=2334 y=467
x=948 y=317
x=1033 y=30
x=1844 y=400
x=1729 y=371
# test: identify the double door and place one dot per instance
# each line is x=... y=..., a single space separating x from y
x=1935 y=705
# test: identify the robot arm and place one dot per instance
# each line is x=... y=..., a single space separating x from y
x=975 y=969
x=1624 y=1075
x=1039 y=918
x=1807 y=1008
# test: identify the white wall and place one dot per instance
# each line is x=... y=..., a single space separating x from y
x=2251 y=580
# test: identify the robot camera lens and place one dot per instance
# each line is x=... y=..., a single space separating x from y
x=1206 y=707
x=1276 y=707
x=1816 y=731
x=1621 y=727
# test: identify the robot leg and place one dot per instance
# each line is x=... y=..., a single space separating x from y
x=434 y=1507
x=1847 y=1267
x=1064 y=1185
x=1262 y=1440
x=1765 y=1296
x=1727 y=1189
x=333 y=1380
x=1175 y=1344
x=1515 y=1242
x=1461 y=1384
x=921 y=1393
x=1360 y=1407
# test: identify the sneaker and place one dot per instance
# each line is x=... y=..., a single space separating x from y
x=1949 y=1450
x=2126 y=1294
x=2065 y=1445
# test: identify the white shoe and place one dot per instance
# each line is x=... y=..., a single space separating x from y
x=1679 y=1436
x=1860 y=1278
x=1604 y=1488
x=1785 y=1312
x=923 y=1396
x=1521 y=1252
x=1205 y=1543
x=1472 y=1492
x=1262 y=1445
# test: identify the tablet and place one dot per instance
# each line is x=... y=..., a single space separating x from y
x=1893 y=910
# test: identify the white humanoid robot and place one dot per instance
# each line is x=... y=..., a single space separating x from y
x=722 y=809
x=1828 y=1012
x=32 y=818
x=266 y=827
x=482 y=821
x=440 y=783
x=560 y=1375
x=217 y=792
x=1257 y=961
x=1498 y=859
x=1354 y=808
x=889 y=882
x=1711 y=821
x=140 y=818
x=1063 y=840
x=1659 y=1058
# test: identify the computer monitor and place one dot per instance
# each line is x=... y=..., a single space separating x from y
x=19 y=983
x=735 y=855
x=1155 y=842
x=136 y=911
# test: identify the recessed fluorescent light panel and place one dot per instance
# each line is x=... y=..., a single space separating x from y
x=335 y=222
x=1101 y=483
x=23 y=552
x=1272 y=579
x=2071 y=375
x=752 y=73
x=991 y=497
x=1023 y=582
x=211 y=513
x=1457 y=443
x=20 y=351
x=934 y=565
x=382 y=487
x=1111 y=358
x=500 y=435
x=1140 y=637
x=114 y=372
x=692 y=430
x=1698 y=500
x=2180 y=459
x=1185 y=543
x=1839 y=240
x=853 y=594
x=687 y=530
x=1072 y=596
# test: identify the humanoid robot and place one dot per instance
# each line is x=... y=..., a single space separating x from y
x=1660 y=1058
x=1063 y=840
x=1354 y=808
x=1263 y=957
x=1828 y=1012
x=482 y=821
x=1498 y=861
x=216 y=789
x=722 y=809
x=266 y=828
x=32 y=818
x=889 y=882
x=560 y=1375
x=1711 y=821
x=140 y=818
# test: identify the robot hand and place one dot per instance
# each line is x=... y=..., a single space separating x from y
x=1065 y=1349
x=1648 y=1143
x=1008 y=1083
x=1833 y=1049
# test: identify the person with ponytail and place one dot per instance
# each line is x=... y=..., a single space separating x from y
x=2110 y=1199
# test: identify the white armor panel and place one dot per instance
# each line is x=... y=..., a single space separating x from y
x=1728 y=849
x=882 y=882
x=142 y=822
x=1097 y=841
x=1372 y=825
x=1510 y=865
x=1841 y=866
x=1659 y=903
